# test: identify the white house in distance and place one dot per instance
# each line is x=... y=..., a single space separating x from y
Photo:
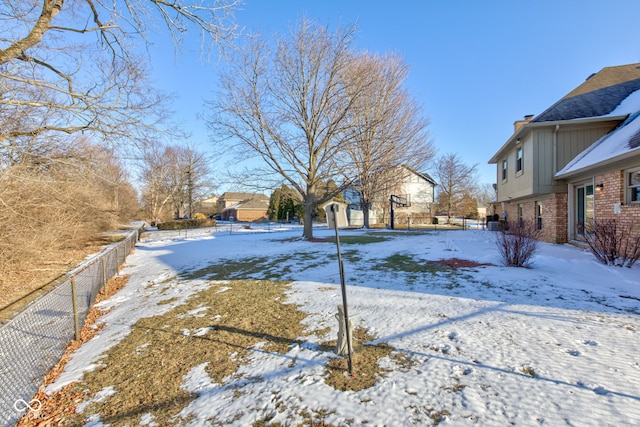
x=417 y=188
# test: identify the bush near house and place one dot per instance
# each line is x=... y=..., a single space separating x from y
x=517 y=242
x=614 y=243
x=186 y=223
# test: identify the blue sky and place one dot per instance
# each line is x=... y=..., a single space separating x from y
x=476 y=66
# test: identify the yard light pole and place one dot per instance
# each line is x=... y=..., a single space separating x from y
x=334 y=210
x=189 y=192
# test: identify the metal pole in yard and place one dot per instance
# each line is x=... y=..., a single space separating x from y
x=334 y=209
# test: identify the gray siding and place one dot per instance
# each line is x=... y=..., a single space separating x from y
x=544 y=161
x=517 y=185
x=573 y=141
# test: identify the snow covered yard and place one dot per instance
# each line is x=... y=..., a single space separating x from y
x=556 y=344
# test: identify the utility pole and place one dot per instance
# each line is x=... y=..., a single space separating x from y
x=189 y=192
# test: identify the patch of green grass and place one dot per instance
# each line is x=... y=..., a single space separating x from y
x=259 y=268
x=360 y=239
x=350 y=256
x=400 y=233
x=408 y=264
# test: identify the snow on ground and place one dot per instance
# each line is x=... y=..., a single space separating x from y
x=556 y=344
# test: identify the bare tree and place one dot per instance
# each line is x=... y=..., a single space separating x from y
x=172 y=176
x=71 y=67
x=456 y=182
x=289 y=106
x=388 y=129
x=485 y=194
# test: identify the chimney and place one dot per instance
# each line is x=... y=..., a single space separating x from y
x=519 y=123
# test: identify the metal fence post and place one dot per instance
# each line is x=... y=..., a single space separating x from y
x=104 y=275
x=75 y=308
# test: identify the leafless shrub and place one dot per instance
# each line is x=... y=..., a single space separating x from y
x=51 y=209
x=613 y=243
x=517 y=242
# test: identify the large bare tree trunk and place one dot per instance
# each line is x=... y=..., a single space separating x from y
x=309 y=208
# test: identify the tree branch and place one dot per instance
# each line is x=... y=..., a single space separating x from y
x=50 y=9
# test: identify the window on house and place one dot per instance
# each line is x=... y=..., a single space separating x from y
x=520 y=215
x=504 y=170
x=519 y=159
x=633 y=186
x=538 y=216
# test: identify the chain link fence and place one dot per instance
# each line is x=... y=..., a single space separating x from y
x=34 y=340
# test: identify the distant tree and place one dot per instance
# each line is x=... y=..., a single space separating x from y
x=468 y=206
x=289 y=107
x=387 y=128
x=485 y=194
x=284 y=204
x=173 y=176
x=455 y=182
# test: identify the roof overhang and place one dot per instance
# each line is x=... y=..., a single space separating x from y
x=600 y=166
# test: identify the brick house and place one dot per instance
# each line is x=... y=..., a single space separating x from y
x=578 y=161
x=243 y=206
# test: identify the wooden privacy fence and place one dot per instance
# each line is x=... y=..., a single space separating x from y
x=34 y=340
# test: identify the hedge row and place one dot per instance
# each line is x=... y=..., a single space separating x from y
x=186 y=223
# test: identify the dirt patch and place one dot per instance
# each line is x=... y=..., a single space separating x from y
x=456 y=263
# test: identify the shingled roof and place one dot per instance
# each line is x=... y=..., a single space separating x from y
x=598 y=96
x=622 y=142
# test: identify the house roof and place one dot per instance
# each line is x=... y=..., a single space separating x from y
x=598 y=96
x=260 y=204
x=606 y=95
x=231 y=195
x=422 y=175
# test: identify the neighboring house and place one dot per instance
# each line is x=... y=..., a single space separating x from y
x=417 y=187
x=243 y=206
x=578 y=161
